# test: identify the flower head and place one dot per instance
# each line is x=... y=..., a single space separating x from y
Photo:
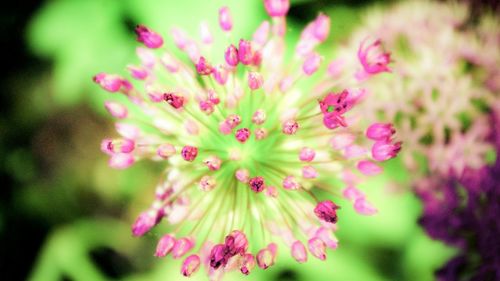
x=242 y=138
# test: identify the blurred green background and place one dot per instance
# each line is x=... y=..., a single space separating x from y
x=64 y=215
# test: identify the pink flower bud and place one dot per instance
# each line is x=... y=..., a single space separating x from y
x=148 y=37
x=334 y=120
x=242 y=135
x=363 y=207
x=218 y=256
x=107 y=146
x=169 y=63
x=206 y=36
x=373 y=58
x=174 y=100
x=225 y=128
x=165 y=150
x=119 y=146
x=245 y=53
x=262 y=33
x=277 y=8
x=203 y=67
x=309 y=172
x=299 y=252
x=327 y=237
x=231 y=56
x=380 y=131
x=317 y=248
x=307 y=154
x=383 y=150
x=326 y=211
x=127 y=131
x=260 y=133
x=137 y=72
x=207 y=107
x=181 y=247
x=180 y=38
x=290 y=127
x=146 y=56
x=290 y=183
x=165 y=245
x=335 y=67
x=342 y=140
x=191 y=127
x=265 y=258
x=207 y=183
x=271 y=191
x=236 y=243
x=247 y=264
x=220 y=74
x=213 y=163
x=257 y=184
x=225 y=20
x=257 y=58
x=190 y=265
x=321 y=27
x=255 y=80
x=109 y=82
x=116 y=110
x=369 y=168
x=242 y=175
x=121 y=161
x=311 y=64
x=259 y=117
x=189 y=153
x=233 y=120
x=144 y=223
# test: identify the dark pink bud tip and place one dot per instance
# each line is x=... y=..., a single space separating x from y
x=189 y=153
x=174 y=100
x=326 y=211
x=148 y=37
x=203 y=67
x=257 y=184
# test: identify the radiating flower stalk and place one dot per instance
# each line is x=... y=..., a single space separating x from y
x=250 y=141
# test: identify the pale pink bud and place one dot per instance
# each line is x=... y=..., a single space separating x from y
x=169 y=63
x=117 y=146
x=237 y=243
x=213 y=163
x=245 y=53
x=383 y=150
x=255 y=80
x=290 y=127
x=156 y=97
x=317 y=248
x=354 y=151
x=277 y=8
x=380 y=131
x=260 y=133
x=165 y=245
x=165 y=150
x=335 y=67
x=342 y=140
x=180 y=38
x=271 y=191
x=203 y=67
x=369 y=168
x=265 y=258
x=299 y=252
x=191 y=127
x=231 y=56
x=262 y=33
x=290 y=183
x=139 y=73
x=146 y=56
x=309 y=172
x=352 y=193
x=144 y=223
x=257 y=184
x=326 y=211
x=257 y=58
x=116 y=110
x=233 y=120
x=225 y=20
x=247 y=264
x=148 y=37
x=189 y=153
x=307 y=154
x=259 y=117
x=311 y=64
x=225 y=128
x=321 y=27
x=181 y=247
x=207 y=107
x=242 y=175
x=207 y=183
x=326 y=236
x=127 y=131
x=109 y=82
x=190 y=265
x=242 y=135
x=220 y=74
x=121 y=160
x=363 y=207
x=206 y=36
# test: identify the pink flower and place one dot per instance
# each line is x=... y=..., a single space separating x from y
x=326 y=211
x=189 y=153
x=307 y=154
x=373 y=58
x=299 y=252
x=117 y=110
x=190 y=265
x=245 y=52
x=257 y=184
x=148 y=37
x=277 y=8
x=203 y=67
x=385 y=150
x=165 y=245
x=311 y=64
x=369 y=168
x=242 y=135
x=290 y=127
x=255 y=80
x=380 y=131
x=225 y=19
x=231 y=56
x=317 y=248
x=174 y=100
